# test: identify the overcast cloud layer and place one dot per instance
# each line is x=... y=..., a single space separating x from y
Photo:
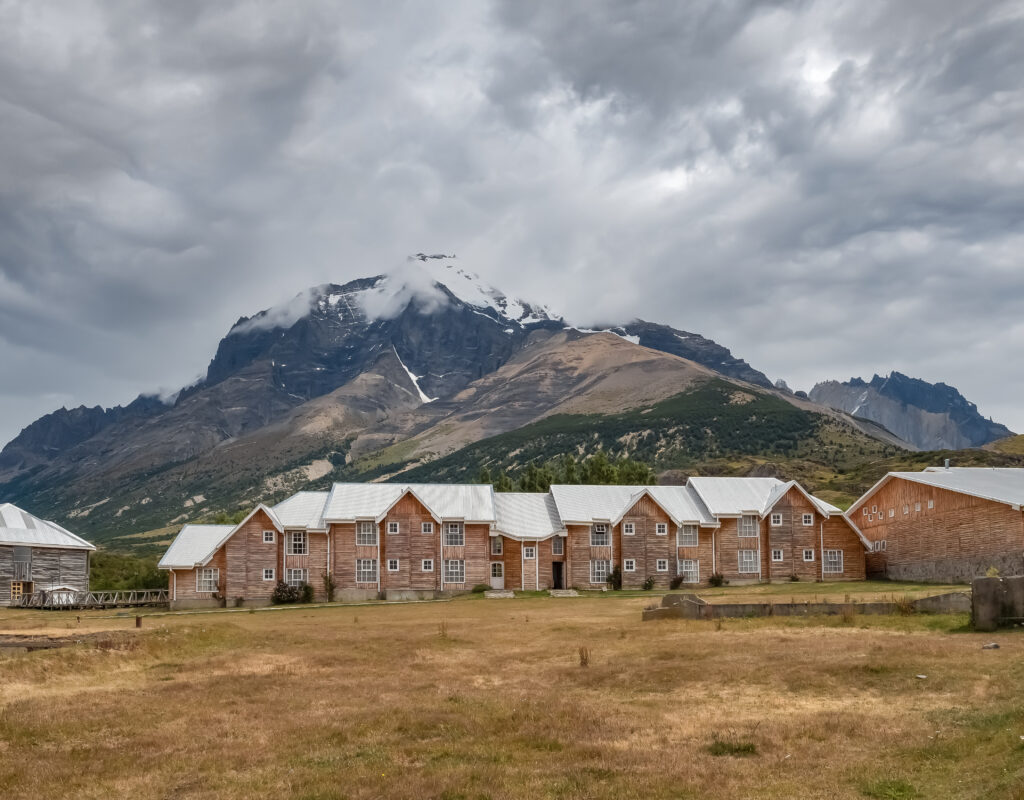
x=829 y=189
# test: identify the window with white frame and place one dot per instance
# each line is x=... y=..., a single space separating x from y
x=629 y=565
x=497 y=569
x=747 y=561
x=776 y=520
x=776 y=555
x=268 y=574
x=748 y=525
x=883 y=544
x=661 y=529
x=808 y=554
x=917 y=506
x=661 y=565
x=392 y=565
x=496 y=546
x=687 y=536
x=366 y=535
x=392 y=527
x=931 y=504
x=268 y=537
x=296 y=577
x=366 y=570
x=808 y=520
x=599 y=571
x=874 y=509
x=207 y=579
x=689 y=570
x=530 y=551
x=876 y=546
x=599 y=536
x=865 y=511
x=454 y=537
x=557 y=546
x=832 y=561
x=427 y=528
x=906 y=509
x=892 y=512
x=298 y=544
x=455 y=571
x=628 y=529
x=427 y=565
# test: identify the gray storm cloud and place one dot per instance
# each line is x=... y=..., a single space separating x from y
x=828 y=189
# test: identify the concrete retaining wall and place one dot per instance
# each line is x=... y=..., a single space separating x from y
x=997 y=602
x=690 y=606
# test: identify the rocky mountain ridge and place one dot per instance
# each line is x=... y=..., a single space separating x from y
x=930 y=416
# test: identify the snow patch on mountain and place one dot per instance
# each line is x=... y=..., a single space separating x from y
x=415 y=380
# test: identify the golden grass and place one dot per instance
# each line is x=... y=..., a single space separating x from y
x=486 y=698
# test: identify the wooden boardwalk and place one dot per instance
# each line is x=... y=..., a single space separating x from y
x=67 y=599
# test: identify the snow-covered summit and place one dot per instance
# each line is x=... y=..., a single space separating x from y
x=470 y=289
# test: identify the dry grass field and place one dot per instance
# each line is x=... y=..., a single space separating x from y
x=480 y=698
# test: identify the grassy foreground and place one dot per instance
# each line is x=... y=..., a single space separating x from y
x=487 y=699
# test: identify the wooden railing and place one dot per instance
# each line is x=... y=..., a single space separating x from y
x=68 y=599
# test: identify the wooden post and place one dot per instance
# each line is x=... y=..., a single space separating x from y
x=138 y=621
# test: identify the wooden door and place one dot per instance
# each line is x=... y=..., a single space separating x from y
x=497 y=575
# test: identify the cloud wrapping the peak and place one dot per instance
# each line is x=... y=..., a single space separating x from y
x=828 y=189
x=403 y=285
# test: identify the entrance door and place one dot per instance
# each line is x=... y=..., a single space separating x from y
x=497 y=575
x=556 y=575
x=19 y=588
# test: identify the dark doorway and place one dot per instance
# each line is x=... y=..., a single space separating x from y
x=556 y=575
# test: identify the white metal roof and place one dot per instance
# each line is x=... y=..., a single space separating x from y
x=780 y=491
x=18 y=527
x=302 y=510
x=728 y=497
x=999 y=484
x=587 y=504
x=193 y=545
x=467 y=502
x=526 y=515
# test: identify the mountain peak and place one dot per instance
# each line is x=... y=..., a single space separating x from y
x=930 y=416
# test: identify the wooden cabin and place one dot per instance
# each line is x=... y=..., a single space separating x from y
x=947 y=524
x=37 y=555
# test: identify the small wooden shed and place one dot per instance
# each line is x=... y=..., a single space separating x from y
x=37 y=555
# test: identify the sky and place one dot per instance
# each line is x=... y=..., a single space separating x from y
x=830 y=189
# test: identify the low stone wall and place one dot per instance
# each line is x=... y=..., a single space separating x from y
x=196 y=602
x=956 y=570
x=690 y=606
x=411 y=594
x=997 y=602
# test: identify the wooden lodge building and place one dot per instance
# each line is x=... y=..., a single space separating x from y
x=418 y=540
x=38 y=555
x=943 y=524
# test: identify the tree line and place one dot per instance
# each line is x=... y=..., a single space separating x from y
x=597 y=469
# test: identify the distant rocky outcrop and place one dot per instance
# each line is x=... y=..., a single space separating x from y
x=930 y=416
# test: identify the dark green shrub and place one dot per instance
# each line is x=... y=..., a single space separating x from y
x=480 y=588
x=676 y=582
x=717 y=579
x=615 y=579
x=283 y=594
x=732 y=747
x=305 y=593
x=648 y=583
